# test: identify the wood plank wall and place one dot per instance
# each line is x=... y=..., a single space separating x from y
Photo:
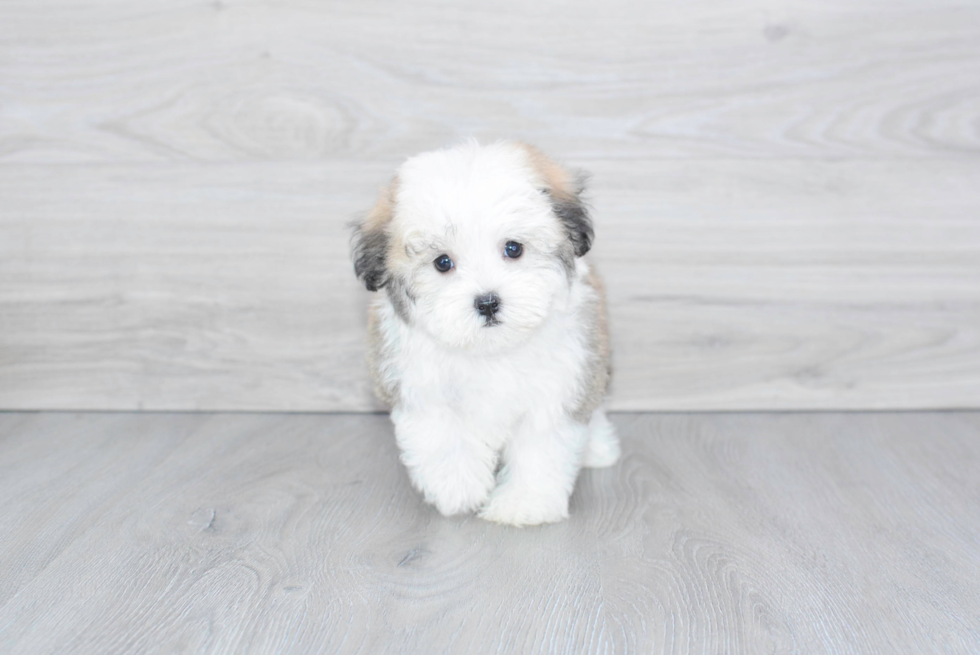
x=787 y=194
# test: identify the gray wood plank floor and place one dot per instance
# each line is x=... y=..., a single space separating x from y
x=785 y=192
x=717 y=533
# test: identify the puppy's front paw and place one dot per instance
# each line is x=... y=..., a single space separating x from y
x=453 y=485
x=456 y=496
x=513 y=504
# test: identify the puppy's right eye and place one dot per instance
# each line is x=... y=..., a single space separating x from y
x=443 y=263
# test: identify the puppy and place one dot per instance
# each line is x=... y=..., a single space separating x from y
x=489 y=343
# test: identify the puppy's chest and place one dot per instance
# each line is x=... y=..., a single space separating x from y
x=545 y=371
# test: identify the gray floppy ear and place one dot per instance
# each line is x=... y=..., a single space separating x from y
x=369 y=251
x=574 y=216
x=369 y=243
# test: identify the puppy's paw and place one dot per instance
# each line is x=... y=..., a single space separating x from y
x=602 y=449
x=452 y=497
x=512 y=504
x=453 y=487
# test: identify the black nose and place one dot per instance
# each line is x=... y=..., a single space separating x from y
x=487 y=304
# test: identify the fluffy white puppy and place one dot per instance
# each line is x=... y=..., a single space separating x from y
x=490 y=341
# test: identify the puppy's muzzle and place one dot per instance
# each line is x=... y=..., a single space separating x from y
x=487 y=306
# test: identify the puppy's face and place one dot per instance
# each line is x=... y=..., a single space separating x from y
x=475 y=245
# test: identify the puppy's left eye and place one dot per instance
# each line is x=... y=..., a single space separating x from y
x=513 y=249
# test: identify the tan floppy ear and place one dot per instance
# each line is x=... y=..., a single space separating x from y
x=565 y=191
x=369 y=241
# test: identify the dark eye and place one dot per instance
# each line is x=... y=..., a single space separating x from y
x=513 y=249
x=443 y=263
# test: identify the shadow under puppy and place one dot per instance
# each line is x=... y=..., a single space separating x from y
x=490 y=342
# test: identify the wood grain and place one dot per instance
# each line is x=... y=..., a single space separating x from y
x=232 y=81
x=732 y=285
x=785 y=192
x=782 y=533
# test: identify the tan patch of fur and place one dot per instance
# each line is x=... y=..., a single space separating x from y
x=560 y=182
x=596 y=378
x=380 y=215
x=387 y=393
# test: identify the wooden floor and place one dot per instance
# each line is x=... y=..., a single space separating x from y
x=717 y=533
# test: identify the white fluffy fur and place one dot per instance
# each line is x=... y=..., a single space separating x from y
x=485 y=415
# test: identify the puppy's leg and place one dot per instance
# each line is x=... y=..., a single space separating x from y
x=453 y=470
x=541 y=463
x=603 y=447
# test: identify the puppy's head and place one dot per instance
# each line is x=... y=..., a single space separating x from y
x=475 y=244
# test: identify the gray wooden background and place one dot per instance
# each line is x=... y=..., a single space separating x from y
x=787 y=194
